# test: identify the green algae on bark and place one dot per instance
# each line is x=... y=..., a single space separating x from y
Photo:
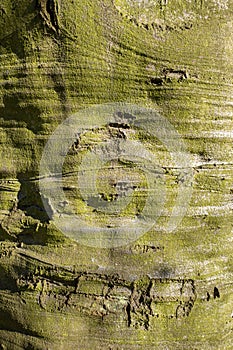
x=161 y=291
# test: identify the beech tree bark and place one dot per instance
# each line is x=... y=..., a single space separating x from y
x=166 y=290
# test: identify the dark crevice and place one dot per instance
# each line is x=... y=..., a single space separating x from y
x=128 y=312
x=48 y=11
x=119 y=125
x=216 y=293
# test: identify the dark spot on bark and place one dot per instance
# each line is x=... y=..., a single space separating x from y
x=156 y=81
x=216 y=293
x=119 y=125
x=128 y=314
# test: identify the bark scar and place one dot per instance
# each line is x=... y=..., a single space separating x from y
x=49 y=10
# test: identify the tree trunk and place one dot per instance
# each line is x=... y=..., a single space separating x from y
x=170 y=61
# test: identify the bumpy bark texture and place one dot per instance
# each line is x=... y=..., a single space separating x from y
x=167 y=290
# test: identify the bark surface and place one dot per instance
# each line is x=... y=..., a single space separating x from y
x=167 y=290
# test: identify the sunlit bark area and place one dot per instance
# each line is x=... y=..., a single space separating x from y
x=167 y=289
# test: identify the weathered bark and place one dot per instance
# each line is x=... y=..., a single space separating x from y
x=167 y=290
